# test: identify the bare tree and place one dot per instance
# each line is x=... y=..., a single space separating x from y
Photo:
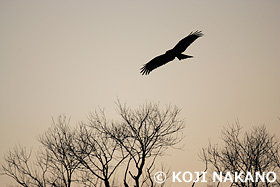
x=57 y=141
x=53 y=165
x=99 y=155
x=92 y=153
x=144 y=134
x=257 y=151
x=25 y=171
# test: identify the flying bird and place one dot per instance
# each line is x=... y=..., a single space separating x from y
x=171 y=54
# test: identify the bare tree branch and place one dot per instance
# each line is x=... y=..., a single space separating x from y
x=257 y=151
x=143 y=133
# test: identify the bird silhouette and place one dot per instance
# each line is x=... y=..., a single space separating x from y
x=171 y=54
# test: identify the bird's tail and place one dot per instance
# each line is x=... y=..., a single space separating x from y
x=182 y=56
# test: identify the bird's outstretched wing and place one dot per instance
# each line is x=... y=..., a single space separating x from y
x=183 y=44
x=156 y=62
x=171 y=54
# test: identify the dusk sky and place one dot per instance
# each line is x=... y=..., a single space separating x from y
x=70 y=57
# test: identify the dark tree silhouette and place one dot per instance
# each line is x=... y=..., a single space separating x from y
x=23 y=169
x=53 y=164
x=57 y=141
x=100 y=152
x=172 y=53
x=257 y=151
x=144 y=134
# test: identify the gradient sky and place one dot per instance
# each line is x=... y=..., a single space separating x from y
x=70 y=57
